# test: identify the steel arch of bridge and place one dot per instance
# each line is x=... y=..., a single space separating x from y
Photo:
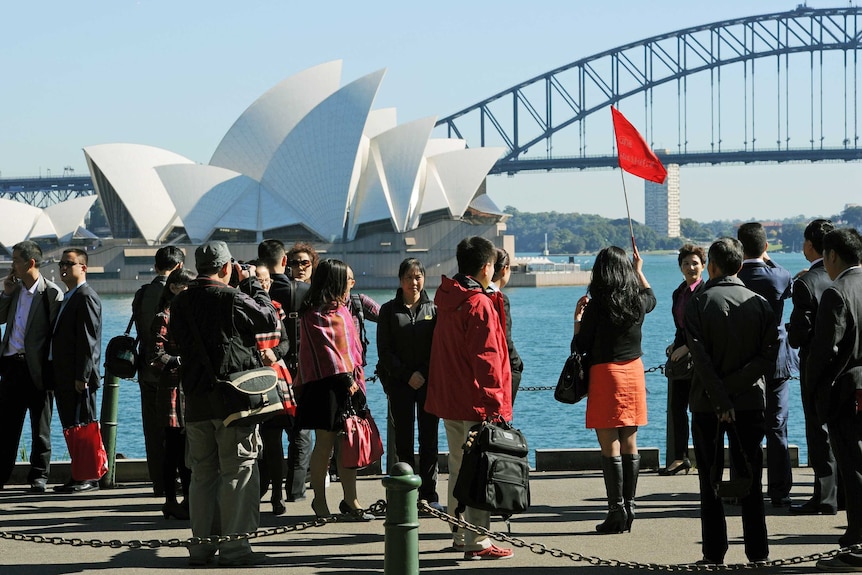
x=569 y=94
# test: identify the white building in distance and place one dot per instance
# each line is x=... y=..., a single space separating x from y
x=662 y=204
x=307 y=160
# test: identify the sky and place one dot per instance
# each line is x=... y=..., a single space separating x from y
x=176 y=75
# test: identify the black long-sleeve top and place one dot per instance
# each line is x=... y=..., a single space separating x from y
x=605 y=342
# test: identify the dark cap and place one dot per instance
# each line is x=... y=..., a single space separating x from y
x=213 y=254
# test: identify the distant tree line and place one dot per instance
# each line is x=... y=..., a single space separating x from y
x=574 y=233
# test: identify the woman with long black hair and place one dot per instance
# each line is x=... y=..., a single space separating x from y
x=608 y=325
x=332 y=379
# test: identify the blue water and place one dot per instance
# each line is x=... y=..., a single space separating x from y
x=542 y=330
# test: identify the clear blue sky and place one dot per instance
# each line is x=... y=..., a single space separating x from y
x=176 y=74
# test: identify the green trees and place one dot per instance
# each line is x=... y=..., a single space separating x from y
x=577 y=233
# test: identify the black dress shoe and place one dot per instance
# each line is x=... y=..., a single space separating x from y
x=38 y=485
x=781 y=501
x=77 y=487
x=811 y=507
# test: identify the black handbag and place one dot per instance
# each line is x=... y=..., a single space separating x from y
x=121 y=354
x=495 y=473
x=739 y=485
x=574 y=381
x=683 y=368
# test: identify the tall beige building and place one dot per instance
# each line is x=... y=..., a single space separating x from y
x=662 y=204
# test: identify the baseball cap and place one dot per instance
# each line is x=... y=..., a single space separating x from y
x=212 y=254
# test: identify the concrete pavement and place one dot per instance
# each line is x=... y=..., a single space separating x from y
x=565 y=508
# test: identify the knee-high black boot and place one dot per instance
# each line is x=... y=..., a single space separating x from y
x=612 y=470
x=631 y=469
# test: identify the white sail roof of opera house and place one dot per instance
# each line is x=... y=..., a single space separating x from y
x=309 y=153
x=59 y=221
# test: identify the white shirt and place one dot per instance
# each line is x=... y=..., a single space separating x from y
x=22 y=312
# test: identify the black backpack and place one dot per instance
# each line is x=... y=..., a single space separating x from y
x=495 y=473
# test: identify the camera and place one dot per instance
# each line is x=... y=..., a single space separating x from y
x=234 y=276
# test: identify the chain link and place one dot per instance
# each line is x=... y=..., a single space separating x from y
x=378 y=509
x=541 y=549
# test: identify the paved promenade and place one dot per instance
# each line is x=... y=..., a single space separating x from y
x=565 y=509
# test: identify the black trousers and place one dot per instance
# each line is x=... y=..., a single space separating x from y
x=749 y=435
x=18 y=394
x=845 y=433
x=154 y=433
x=406 y=408
x=678 y=390
x=821 y=458
x=67 y=407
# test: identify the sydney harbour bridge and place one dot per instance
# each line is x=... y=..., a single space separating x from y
x=781 y=87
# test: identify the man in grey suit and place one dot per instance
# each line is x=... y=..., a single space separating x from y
x=28 y=306
x=835 y=372
x=76 y=347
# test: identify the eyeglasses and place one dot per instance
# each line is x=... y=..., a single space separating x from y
x=67 y=264
x=299 y=263
x=351 y=280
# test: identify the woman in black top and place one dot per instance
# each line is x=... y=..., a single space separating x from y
x=608 y=326
x=405 y=327
x=502 y=273
x=691 y=261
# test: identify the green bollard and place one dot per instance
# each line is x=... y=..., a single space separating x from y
x=108 y=422
x=401 y=555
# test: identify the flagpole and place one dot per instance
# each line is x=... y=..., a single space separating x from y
x=628 y=213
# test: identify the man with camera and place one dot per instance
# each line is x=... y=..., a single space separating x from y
x=214 y=327
x=733 y=338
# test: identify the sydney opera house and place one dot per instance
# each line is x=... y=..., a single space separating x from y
x=309 y=160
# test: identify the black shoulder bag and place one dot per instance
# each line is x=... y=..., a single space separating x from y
x=574 y=383
x=251 y=396
x=121 y=354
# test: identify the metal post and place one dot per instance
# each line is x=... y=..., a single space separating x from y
x=401 y=555
x=110 y=402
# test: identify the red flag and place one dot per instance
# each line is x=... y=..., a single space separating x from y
x=634 y=155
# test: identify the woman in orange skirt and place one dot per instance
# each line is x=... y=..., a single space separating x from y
x=608 y=324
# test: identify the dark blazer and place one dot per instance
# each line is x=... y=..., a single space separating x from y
x=38 y=329
x=835 y=358
x=289 y=293
x=733 y=339
x=77 y=340
x=807 y=291
x=773 y=282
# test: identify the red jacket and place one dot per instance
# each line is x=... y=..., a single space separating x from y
x=469 y=378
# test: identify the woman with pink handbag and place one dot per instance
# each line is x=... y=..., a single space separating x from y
x=332 y=379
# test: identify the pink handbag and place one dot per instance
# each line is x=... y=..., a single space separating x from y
x=360 y=441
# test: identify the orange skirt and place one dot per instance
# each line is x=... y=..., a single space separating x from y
x=617 y=396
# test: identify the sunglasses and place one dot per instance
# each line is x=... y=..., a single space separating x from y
x=67 y=264
x=299 y=263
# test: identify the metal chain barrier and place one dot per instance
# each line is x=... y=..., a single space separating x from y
x=377 y=509
x=659 y=368
x=541 y=549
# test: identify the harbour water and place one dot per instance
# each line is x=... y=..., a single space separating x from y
x=542 y=330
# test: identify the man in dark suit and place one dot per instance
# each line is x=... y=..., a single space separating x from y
x=768 y=279
x=289 y=293
x=835 y=372
x=733 y=339
x=144 y=310
x=807 y=291
x=76 y=347
x=28 y=306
